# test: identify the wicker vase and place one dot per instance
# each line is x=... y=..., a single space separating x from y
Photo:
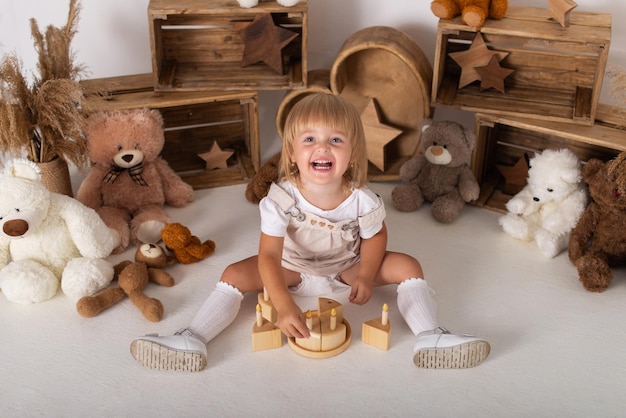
x=55 y=175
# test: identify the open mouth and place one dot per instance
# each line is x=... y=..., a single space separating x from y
x=322 y=165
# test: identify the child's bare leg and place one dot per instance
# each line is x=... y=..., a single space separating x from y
x=186 y=349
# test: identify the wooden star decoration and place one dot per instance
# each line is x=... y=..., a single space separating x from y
x=560 y=10
x=514 y=176
x=377 y=134
x=264 y=41
x=216 y=157
x=478 y=55
x=492 y=75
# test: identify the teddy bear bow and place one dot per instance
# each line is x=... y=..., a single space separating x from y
x=134 y=172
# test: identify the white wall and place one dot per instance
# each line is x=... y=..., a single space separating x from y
x=113 y=37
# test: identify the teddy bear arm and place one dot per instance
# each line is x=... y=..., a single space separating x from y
x=4 y=252
x=521 y=203
x=90 y=306
x=90 y=190
x=412 y=167
x=582 y=233
x=566 y=216
x=202 y=250
x=160 y=277
x=88 y=231
x=177 y=192
x=468 y=186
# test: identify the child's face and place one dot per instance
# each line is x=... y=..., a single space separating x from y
x=322 y=155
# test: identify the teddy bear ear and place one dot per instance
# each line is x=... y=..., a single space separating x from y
x=425 y=124
x=24 y=169
x=572 y=176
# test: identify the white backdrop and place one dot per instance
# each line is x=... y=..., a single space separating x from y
x=113 y=37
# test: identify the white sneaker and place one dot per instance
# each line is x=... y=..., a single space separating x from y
x=181 y=352
x=442 y=350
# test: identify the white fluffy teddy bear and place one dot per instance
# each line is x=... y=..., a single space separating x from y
x=549 y=206
x=251 y=3
x=48 y=239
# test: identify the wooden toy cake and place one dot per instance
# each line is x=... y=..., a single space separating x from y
x=330 y=332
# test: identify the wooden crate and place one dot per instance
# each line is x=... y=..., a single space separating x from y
x=558 y=72
x=502 y=140
x=195 y=46
x=193 y=122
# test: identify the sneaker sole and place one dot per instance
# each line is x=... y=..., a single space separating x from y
x=460 y=356
x=155 y=356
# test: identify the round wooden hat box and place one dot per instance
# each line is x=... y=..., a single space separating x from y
x=386 y=66
x=317 y=81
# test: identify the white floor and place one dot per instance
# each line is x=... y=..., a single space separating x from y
x=557 y=350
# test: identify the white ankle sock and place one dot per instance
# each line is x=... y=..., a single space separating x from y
x=217 y=312
x=417 y=306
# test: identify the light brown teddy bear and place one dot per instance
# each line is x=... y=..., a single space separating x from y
x=129 y=183
x=440 y=173
x=598 y=242
x=187 y=248
x=132 y=279
x=473 y=12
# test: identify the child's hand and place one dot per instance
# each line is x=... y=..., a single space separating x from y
x=361 y=291
x=291 y=322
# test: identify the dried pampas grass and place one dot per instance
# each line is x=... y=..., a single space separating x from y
x=44 y=121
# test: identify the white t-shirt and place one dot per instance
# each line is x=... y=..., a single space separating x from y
x=362 y=201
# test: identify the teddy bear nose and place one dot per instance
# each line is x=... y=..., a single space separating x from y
x=435 y=150
x=128 y=157
x=15 y=227
x=536 y=199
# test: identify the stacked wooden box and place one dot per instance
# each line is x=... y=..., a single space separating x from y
x=551 y=98
x=200 y=86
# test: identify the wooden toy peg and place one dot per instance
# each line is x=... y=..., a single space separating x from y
x=265 y=335
x=267 y=307
x=377 y=332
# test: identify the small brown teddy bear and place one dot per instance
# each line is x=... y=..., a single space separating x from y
x=129 y=182
x=260 y=184
x=440 y=173
x=473 y=12
x=187 y=248
x=132 y=278
x=598 y=241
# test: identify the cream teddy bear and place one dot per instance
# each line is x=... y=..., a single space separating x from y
x=549 y=206
x=48 y=239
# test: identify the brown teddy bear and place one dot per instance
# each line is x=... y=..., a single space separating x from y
x=598 y=241
x=473 y=12
x=129 y=183
x=132 y=278
x=440 y=173
x=187 y=248
x=260 y=184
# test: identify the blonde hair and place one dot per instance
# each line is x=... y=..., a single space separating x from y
x=334 y=112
